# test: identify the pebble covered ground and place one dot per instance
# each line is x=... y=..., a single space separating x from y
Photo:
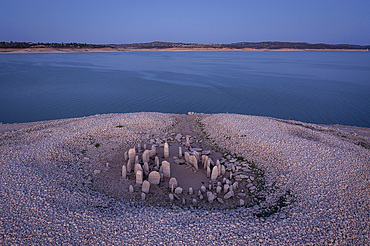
x=47 y=168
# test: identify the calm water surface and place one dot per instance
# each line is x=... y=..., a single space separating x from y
x=318 y=87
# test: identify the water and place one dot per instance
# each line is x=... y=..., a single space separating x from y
x=317 y=87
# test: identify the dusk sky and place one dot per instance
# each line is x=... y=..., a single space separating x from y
x=201 y=21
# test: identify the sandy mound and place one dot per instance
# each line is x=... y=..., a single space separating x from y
x=57 y=187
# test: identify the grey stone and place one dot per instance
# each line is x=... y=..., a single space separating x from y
x=154 y=177
x=146 y=186
x=131 y=189
x=139 y=177
x=124 y=172
x=172 y=184
x=166 y=168
x=229 y=195
x=166 y=150
x=178 y=190
x=214 y=174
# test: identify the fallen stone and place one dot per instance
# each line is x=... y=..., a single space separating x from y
x=206 y=152
x=220 y=200
x=96 y=172
x=229 y=195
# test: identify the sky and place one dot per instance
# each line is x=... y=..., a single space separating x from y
x=190 y=21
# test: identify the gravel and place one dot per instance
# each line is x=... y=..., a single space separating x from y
x=47 y=168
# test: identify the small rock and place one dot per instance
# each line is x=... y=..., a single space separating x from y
x=171 y=197
x=178 y=190
x=143 y=196
x=191 y=191
x=229 y=195
x=206 y=152
x=194 y=202
x=96 y=172
x=241 y=202
x=203 y=188
x=220 y=200
x=131 y=189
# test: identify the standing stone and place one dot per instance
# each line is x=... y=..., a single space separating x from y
x=146 y=186
x=125 y=156
x=139 y=177
x=172 y=184
x=154 y=177
x=131 y=154
x=194 y=202
x=191 y=191
x=180 y=152
x=178 y=190
x=214 y=173
x=143 y=196
x=223 y=170
x=166 y=169
x=129 y=167
x=193 y=161
x=146 y=168
x=156 y=161
x=210 y=197
x=131 y=189
x=218 y=165
x=153 y=151
x=218 y=189
x=124 y=171
x=146 y=156
x=144 y=146
x=166 y=150
x=241 y=202
x=203 y=188
x=226 y=188
x=204 y=161
x=187 y=141
x=171 y=197
x=187 y=157
x=137 y=168
x=136 y=159
x=208 y=172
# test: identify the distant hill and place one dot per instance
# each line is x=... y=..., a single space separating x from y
x=169 y=45
x=242 y=45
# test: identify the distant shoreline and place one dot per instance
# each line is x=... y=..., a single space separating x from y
x=111 y=50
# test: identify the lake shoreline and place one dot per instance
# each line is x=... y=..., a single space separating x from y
x=111 y=50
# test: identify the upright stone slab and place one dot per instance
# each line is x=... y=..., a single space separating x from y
x=223 y=170
x=153 y=151
x=124 y=171
x=131 y=153
x=136 y=159
x=137 y=168
x=193 y=161
x=180 y=152
x=191 y=192
x=187 y=156
x=146 y=156
x=187 y=141
x=208 y=172
x=218 y=165
x=172 y=184
x=178 y=190
x=166 y=150
x=166 y=168
x=146 y=186
x=214 y=174
x=146 y=168
x=154 y=177
x=125 y=156
x=131 y=189
x=156 y=161
x=139 y=177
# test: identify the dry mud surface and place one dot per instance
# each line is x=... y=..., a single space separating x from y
x=61 y=182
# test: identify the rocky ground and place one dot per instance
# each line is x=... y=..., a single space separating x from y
x=58 y=183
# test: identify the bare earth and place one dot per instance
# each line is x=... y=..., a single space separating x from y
x=57 y=188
